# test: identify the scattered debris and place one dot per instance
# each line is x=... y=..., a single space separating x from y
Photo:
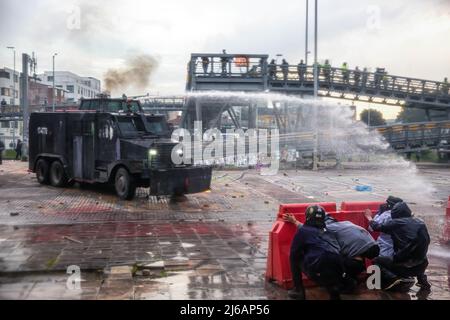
x=72 y=239
x=146 y=273
x=155 y=265
x=51 y=262
x=363 y=188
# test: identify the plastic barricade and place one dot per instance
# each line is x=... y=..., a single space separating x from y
x=282 y=233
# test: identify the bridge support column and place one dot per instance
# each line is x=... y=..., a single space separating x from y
x=198 y=110
x=252 y=116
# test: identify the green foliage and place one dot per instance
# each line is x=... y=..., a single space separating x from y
x=376 y=117
x=9 y=154
x=411 y=115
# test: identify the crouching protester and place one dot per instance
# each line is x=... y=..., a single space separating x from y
x=411 y=240
x=356 y=244
x=383 y=215
x=315 y=251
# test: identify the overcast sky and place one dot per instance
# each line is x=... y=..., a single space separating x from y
x=407 y=37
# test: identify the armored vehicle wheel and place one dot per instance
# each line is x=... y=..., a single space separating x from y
x=124 y=184
x=58 y=177
x=42 y=175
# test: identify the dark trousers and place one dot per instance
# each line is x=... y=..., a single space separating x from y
x=327 y=271
x=1 y=157
x=391 y=270
x=18 y=154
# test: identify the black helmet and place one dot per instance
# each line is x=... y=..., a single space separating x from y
x=315 y=216
x=391 y=201
x=400 y=210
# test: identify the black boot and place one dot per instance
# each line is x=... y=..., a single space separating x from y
x=297 y=294
x=334 y=293
x=423 y=283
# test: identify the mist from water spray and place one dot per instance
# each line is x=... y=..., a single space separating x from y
x=341 y=135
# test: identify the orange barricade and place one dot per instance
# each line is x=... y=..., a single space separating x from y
x=280 y=238
x=282 y=233
x=354 y=212
x=448 y=207
x=446 y=233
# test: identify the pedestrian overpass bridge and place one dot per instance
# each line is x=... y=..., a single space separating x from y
x=253 y=73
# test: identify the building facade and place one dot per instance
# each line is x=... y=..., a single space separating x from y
x=76 y=87
x=7 y=80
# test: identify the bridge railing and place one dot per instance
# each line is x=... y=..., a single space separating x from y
x=357 y=79
x=228 y=65
x=416 y=134
x=220 y=67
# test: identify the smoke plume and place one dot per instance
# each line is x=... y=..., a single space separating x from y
x=136 y=74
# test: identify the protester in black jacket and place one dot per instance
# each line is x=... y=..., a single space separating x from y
x=315 y=251
x=19 y=150
x=411 y=240
x=2 y=148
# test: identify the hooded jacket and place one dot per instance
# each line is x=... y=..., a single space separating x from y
x=353 y=240
x=409 y=235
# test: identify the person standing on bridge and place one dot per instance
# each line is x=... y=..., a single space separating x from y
x=301 y=70
x=356 y=76
x=205 y=64
x=327 y=70
x=273 y=69
x=224 y=62
x=445 y=86
x=385 y=80
x=285 y=69
x=364 y=76
x=345 y=73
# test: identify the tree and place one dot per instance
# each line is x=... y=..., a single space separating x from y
x=411 y=115
x=376 y=117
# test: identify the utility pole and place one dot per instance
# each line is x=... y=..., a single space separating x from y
x=24 y=100
x=315 y=106
x=14 y=75
x=14 y=93
x=53 y=91
x=306 y=33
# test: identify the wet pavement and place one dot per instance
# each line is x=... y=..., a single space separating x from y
x=211 y=245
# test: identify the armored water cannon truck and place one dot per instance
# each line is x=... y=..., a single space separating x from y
x=125 y=149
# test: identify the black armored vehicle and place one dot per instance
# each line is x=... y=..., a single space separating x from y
x=123 y=148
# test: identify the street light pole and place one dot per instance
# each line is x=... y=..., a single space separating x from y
x=306 y=33
x=315 y=51
x=14 y=93
x=53 y=91
x=315 y=106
